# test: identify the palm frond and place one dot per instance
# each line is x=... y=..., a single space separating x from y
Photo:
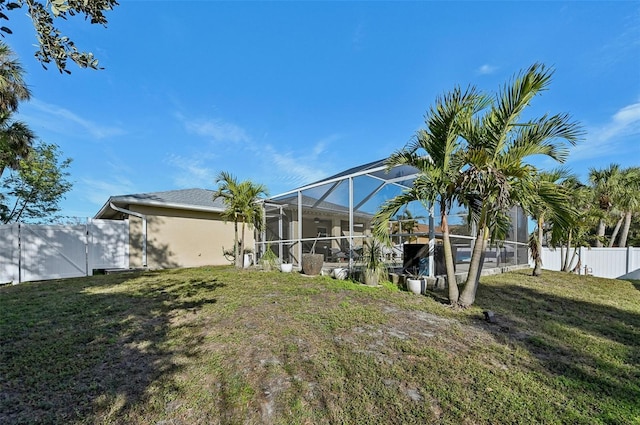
x=382 y=218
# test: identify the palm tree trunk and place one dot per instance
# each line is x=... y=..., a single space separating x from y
x=537 y=269
x=573 y=257
x=448 y=261
x=242 y=246
x=236 y=245
x=468 y=295
x=625 y=229
x=565 y=266
x=600 y=233
x=483 y=253
x=615 y=231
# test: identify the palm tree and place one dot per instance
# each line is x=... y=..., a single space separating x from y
x=499 y=144
x=614 y=233
x=629 y=200
x=13 y=89
x=606 y=186
x=578 y=231
x=240 y=199
x=15 y=137
x=435 y=154
x=406 y=223
x=548 y=204
x=16 y=140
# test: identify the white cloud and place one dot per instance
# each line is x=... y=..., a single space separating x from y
x=274 y=167
x=61 y=120
x=216 y=129
x=192 y=172
x=612 y=136
x=487 y=69
x=622 y=45
x=625 y=121
x=295 y=169
x=98 y=191
x=321 y=145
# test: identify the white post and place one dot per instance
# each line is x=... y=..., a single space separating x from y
x=144 y=241
x=432 y=243
x=86 y=247
x=351 y=247
x=19 y=253
x=300 y=228
x=630 y=264
x=280 y=231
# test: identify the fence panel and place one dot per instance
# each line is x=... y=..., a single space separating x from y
x=634 y=262
x=31 y=252
x=109 y=244
x=605 y=262
x=53 y=252
x=551 y=259
x=9 y=253
x=601 y=262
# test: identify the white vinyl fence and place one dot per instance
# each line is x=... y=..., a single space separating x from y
x=31 y=252
x=611 y=263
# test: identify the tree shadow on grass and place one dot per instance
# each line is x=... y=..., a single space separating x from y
x=94 y=349
x=590 y=348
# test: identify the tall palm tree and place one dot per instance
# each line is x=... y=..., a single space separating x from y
x=240 y=199
x=606 y=186
x=499 y=144
x=13 y=88
x=435 y=154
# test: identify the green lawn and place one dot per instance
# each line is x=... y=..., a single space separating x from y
x=214 y=345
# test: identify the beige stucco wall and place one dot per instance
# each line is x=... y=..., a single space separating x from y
x=179 y=238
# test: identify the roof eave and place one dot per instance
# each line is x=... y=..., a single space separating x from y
x=126 y=202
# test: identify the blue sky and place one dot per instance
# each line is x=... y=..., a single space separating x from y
x=286 y=93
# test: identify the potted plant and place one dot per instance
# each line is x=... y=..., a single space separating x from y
x=340 y=273
x=269 y=260
x=373 y=265
x=247 y=257
x=286 y=267
x=414 y=281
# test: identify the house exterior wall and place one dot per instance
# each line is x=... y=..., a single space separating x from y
x=181 y=238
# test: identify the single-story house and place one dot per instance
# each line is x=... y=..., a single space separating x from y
x=176 y=228
x=333 y=216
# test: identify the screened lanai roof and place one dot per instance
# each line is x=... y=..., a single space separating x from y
x=369 y=181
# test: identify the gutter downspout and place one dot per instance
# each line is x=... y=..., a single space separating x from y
x=144 y=229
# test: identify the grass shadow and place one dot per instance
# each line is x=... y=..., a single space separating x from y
x=589 y=346
x=89 y=349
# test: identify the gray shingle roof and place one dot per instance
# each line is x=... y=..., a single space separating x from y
x=193 y=197
x=188 y=199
